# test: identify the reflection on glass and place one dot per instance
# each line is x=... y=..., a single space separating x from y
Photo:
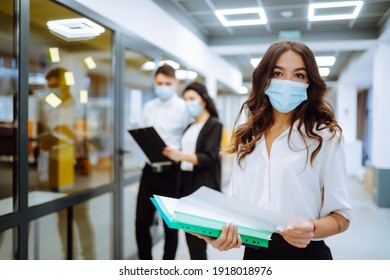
x=45 y=238
x=92 y=232
x=129 y=206
x=7 y=90
x=138 y=82
x=95 y=229
x=55 y=133
x=71 y=103
x=83 y=233
x=6 y=245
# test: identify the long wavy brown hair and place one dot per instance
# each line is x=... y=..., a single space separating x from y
x=313 y=114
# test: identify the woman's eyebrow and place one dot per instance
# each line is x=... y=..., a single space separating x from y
x=296 y=69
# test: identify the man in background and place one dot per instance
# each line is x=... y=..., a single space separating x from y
x=56 y=162
x=167 y=114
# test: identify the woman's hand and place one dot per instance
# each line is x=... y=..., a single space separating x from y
x=228 y=239
x=172 y=154
x=299 y=234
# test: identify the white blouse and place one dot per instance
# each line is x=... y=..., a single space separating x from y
x=169 y=118
x=188 y=144
x=287 y=183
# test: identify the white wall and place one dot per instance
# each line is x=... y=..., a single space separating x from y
x=381 y=106
x=347 y=109
x=346 y=115
x=149 y=22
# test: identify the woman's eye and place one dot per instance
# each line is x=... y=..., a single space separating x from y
x=300 y=76
x=277 y=74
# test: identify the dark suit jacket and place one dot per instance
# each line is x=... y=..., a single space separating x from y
x=208 y=171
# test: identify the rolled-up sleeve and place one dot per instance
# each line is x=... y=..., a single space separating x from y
x=335 y=180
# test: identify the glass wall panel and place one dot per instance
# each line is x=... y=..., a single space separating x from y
x=95 y=224
x=137 y=90
x=70 y=102
x=8 y=82
x=129 y=206
x=48 y=238
x=6 y=245
x=92 y=232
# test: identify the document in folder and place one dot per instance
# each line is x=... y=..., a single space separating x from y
x=206 y=211
x=151 y=144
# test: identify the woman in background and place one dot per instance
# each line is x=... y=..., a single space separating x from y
x=199 y=154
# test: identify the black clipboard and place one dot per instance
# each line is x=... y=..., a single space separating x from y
x=151 y=144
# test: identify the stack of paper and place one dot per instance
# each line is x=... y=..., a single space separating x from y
x=206 y=211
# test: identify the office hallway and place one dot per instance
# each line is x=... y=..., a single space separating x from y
x=366 y=238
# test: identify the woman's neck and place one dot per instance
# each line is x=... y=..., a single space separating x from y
x=203 y=116
x=282 y=120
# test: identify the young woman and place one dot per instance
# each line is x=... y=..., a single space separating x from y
x=290 y=157
x=199 y=154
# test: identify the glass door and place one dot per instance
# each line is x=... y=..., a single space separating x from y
x=71 y=114
x=136 y=86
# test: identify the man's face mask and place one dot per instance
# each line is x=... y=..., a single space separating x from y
x=286 y=95
x=164 y=92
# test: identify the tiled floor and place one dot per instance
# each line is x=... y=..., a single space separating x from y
x=366 y=239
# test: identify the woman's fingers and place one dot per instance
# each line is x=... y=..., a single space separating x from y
x=298 y=235
x=228 y=239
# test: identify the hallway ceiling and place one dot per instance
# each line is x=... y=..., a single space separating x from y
x=344 y=39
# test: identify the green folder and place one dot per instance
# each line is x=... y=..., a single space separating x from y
x=190 y=214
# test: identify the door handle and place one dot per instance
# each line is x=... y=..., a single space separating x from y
x=123 y=152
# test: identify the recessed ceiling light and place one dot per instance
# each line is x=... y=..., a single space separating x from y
x=151 y=65
x=287 y=13
x=332 y=5
x=186 y=75
x=221 y=15
x=255 y=62
x=243 y=90
x=148 y=66
x=324 y=71
x=75 y=29
x=325 y=60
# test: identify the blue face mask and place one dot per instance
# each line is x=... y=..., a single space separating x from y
x=164 y=92
x=194 y=108
x=286 y=95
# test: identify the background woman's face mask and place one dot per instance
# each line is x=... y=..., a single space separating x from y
x=286 y=95
x=193 y=108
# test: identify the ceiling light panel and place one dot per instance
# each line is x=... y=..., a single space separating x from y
x=324 y=71
x=334 y=10
x=255 y=61
x=233 y=17
x=75 y=28
x=325 y=60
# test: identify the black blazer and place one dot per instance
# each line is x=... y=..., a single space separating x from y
x=208 y=171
